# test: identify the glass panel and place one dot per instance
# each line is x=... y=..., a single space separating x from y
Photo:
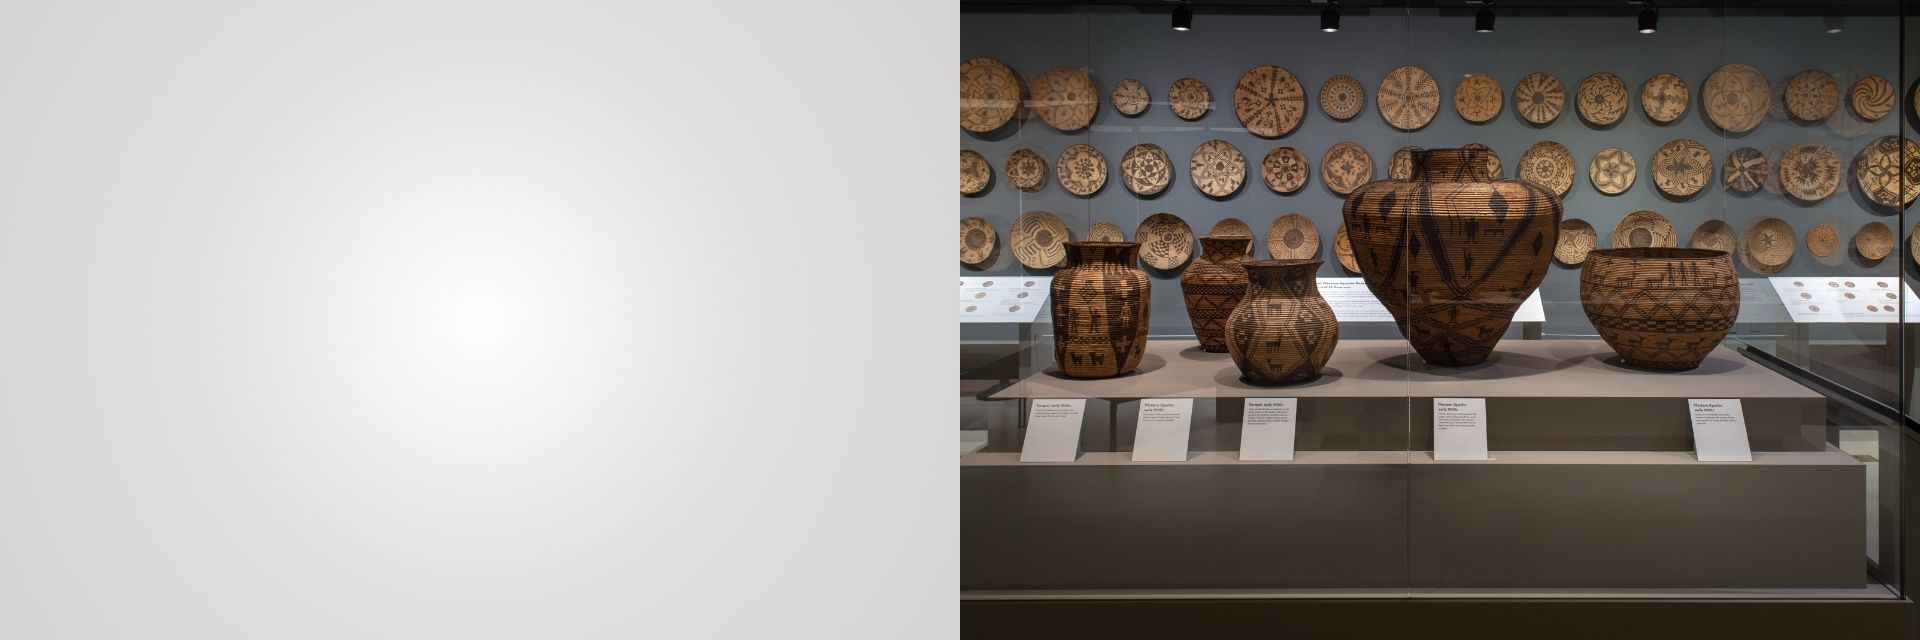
x=1594 y=485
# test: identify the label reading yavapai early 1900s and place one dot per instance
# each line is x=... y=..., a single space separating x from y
x=1267 y=430
x=1053 y=430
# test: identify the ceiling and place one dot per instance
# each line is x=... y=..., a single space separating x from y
x=1517 y=7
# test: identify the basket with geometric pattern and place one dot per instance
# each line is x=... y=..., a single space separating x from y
x=1659 y=307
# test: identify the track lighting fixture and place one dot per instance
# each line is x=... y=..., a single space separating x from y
x=1329 y=19
x=1183 y=17
x=1649 y=18
x=1483 y=21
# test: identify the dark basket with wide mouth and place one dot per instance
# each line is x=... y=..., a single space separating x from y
x=1660 y=307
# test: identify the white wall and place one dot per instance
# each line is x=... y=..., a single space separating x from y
x=417 y=319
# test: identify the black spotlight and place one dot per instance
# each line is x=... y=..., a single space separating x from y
x=1649 y=19
x=1329 y=19
x=1183 y=17
x=1483 y=21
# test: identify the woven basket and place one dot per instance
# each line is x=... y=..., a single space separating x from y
x=1822 y=239
x=1660 y=308
x=1283 y=332
x=1737 y=97
x=1452 y=253
x=1577 y=239
x=990 y=94
x=1100 y=306
x=1871 y=98
x=1769 y=245
x=1212 y=286
x=1874 y=241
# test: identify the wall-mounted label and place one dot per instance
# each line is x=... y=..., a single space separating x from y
x=1003 y=299
x=1053 y=430
x=1460 y=428
x=1352 y=301
x=1719 y=430
x=1267 y=431
x=1160 y=435
x=1821 y=299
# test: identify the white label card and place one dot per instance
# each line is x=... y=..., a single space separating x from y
x=1053 y=430
x=1460 y=428
x=1719 y=430
x=1267 y=428
x=1161 y=433
x=1533 y=309
x=1352 y=301
x=1003 y=299
x=1839 y=298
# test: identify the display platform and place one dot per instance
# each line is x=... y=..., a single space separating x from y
x=1542 y=395
x=1360 y=520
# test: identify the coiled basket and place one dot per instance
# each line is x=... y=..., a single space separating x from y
x=1282 y=332
x=1213 y=285
x=1100 y=305
x=1452 y=252
x=1660 y=308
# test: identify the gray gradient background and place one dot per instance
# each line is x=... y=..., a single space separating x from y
x=428 y=319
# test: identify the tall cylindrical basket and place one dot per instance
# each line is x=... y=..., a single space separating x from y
x=1100 y=305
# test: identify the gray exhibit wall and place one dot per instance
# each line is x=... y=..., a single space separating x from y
x=1115 y=44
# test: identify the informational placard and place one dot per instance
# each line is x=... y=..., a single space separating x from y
x=1267 y=429
x=1460 y=428
x=1352 y=301
x=1161 y=433
x=1003 y=299
x=1053 y=430
x=1826 y=299
x=1719 y=430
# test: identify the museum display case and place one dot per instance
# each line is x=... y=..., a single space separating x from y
x=1441 y=300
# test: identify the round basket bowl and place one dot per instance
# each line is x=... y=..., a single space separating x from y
x=1874 y=241
x=1660 y=308
x=1577 y=239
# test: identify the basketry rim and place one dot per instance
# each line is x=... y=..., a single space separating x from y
x=1659 y=253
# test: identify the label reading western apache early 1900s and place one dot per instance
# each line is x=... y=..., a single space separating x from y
x=1460 y=428
x=1161 y=435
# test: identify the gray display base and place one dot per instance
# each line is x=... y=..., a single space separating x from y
x=1326 y=520
x=1639 y=519
x=1542 y=395
x=1378 y=520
